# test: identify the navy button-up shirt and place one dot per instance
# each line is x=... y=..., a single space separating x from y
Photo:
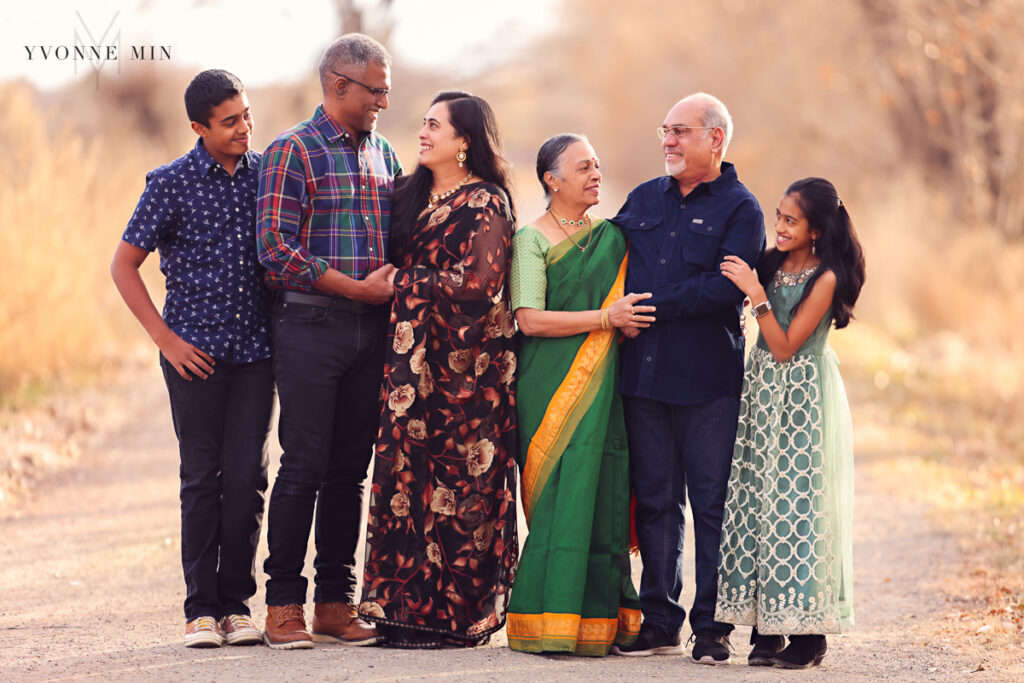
x=694 y=352
x=203 y=222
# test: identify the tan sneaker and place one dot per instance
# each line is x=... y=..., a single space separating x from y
x=239 y=629
x=339 y=622
x=203 y=632
x=286 y=628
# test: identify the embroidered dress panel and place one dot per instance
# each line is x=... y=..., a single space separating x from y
x=786 y=556
x=202 y=221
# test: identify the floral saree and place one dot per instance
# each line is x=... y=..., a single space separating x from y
x=441 y=536
x=573 y=591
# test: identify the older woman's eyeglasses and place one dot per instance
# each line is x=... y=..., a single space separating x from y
x=679 y=132
x=376 y=92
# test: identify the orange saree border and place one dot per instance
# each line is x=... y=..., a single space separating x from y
x=582 y=632
x=570 y=400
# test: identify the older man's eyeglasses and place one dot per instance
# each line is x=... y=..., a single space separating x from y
x=376 y=92
x=679 y=132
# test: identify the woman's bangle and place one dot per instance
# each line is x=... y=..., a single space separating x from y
x=606 y=323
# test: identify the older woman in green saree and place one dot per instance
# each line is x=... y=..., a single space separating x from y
x=573 y=592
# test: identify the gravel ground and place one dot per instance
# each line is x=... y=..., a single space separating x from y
x=91 y=582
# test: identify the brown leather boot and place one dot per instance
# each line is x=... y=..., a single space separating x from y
x=339 y=622
x=286 y=628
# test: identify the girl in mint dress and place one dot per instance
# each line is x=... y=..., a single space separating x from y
x=785 y=565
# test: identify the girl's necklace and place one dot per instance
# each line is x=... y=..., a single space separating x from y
x=580 y=222
x=438 y=197
x=791 y=278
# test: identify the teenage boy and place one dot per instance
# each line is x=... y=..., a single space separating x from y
x=199 y=212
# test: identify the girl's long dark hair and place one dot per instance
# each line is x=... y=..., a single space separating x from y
x=472 y=118
x=837 y=245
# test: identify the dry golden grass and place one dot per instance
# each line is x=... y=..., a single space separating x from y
x=65 y=200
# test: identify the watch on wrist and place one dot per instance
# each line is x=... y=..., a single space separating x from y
x=761 y=309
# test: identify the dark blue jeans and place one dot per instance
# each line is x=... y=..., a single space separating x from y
x=221 y=423
x=677 y=452
x=327 y=364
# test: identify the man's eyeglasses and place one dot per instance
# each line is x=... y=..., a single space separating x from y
x=376 y=92
x=679 y=131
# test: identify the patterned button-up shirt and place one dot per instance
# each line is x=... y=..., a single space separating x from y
x=202 y=221
x=324 y=201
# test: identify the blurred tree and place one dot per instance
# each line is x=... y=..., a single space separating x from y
x=372 y=17
x=950 y=80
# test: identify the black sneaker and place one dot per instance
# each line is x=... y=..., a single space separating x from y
x=711 y=648
x=651 y=641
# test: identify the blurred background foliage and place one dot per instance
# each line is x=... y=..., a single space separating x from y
x=913 y=108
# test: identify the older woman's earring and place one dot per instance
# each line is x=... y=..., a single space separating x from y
x=461 y=157
x=813 y=249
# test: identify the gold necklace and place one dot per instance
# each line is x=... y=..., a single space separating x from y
x=438 y=197
x=562 y=222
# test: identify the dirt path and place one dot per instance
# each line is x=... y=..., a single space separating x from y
x=91 y=584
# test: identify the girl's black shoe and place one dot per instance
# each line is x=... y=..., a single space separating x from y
x=765 y=647
x=802 y=652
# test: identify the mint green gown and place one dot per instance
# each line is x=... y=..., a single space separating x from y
x=785 y=564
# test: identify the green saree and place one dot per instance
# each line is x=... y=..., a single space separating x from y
x=573 y=591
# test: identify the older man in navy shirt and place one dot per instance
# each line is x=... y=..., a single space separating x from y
x=681 y=378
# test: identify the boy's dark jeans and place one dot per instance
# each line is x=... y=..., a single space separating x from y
x=222 y=424
x=328 y=364
x=679 y=452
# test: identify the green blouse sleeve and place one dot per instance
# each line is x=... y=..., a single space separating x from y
x=529 y=269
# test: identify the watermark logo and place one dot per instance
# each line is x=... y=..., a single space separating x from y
x=98 y=58
x=97 y=48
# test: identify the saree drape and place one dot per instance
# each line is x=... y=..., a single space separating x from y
x=573 y=591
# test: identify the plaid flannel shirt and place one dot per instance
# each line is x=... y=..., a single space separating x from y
x=324 y=201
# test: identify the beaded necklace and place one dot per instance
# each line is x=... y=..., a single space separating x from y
x=792 y=279
x=438 y=197
x=562 y=222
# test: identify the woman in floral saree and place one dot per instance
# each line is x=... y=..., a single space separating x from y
x=573 y=592
x=441 y=536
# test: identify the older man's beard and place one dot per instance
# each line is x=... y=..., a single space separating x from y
x=674 y=168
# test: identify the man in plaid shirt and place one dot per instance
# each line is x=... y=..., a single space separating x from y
x=323 y=217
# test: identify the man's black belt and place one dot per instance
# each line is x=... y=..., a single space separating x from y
x=327 y=301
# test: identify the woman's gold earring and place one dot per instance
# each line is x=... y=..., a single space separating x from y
x=461 y=157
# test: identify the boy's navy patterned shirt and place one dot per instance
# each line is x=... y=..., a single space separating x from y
x=203 y=223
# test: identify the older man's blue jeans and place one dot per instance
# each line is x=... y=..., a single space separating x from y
x=679 y=452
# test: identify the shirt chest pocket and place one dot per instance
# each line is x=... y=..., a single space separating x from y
x=643 y=232
x=703 y=244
